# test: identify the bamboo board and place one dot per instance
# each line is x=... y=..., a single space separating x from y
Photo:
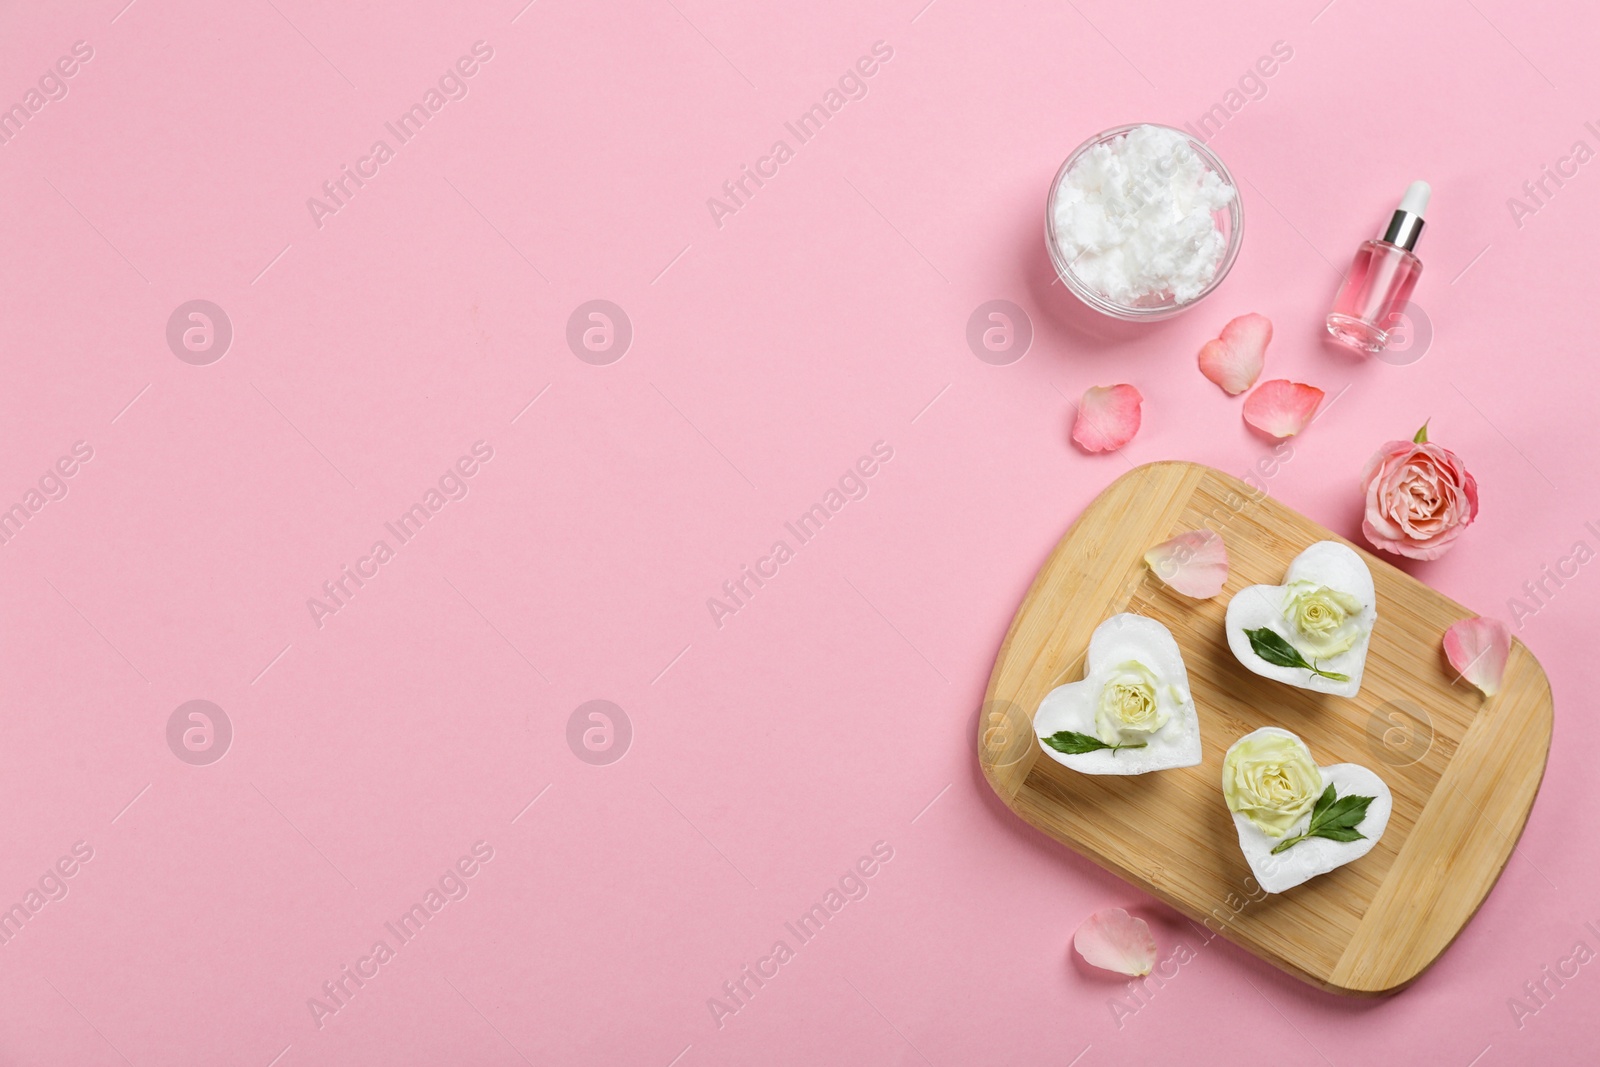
x=1463 y=769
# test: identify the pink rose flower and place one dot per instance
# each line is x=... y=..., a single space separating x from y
x=1419 y=498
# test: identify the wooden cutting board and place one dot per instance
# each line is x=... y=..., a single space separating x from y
x=1463 y=769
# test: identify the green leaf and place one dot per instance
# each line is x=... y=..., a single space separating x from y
x=1272 y=647
x=1322 y=804
x=1334 y=818
x=1341 y=834
x=1342 y=815
x=1075 y=744
x=1421 y=437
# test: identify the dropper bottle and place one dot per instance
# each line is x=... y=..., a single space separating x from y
x=1380 y=281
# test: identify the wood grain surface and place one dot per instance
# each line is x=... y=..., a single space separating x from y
x=1463 y=769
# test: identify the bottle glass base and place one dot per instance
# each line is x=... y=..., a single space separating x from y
x=1357 y=334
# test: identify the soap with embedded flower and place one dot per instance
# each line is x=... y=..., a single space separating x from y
x=1297 y=820
x=1131 y=713
x=1312 y=631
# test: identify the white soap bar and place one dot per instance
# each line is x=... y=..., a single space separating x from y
x=1326 y=563
x=1315 y=855
x=1119 y=640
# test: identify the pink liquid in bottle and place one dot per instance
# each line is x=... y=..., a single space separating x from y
x=1381 y=278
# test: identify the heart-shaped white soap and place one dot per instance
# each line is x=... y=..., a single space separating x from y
x=1306 y=859
x=1326 y=564
x=1117 y=642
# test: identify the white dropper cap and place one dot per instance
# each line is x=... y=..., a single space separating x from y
x=1416 y=199
x=1405 y=225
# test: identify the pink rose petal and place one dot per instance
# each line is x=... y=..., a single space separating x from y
x=1234 y=360
x=1194 y=563
x=1116 y=941
x=1282 y=408
x=1477 y=648
x=1108 y=417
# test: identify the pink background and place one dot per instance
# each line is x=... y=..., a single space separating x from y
x=838 y=707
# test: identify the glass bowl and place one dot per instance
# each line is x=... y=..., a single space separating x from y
x=1230 y=220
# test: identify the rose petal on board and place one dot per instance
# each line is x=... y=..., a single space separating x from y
x=1116 y=941
x=1477 y=648
x=1282 y=408
x=1194 y=563
x=1108 y=417
x=1234 y=360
